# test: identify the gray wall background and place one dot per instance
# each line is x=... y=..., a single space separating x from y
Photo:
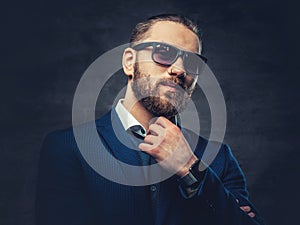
x=47 y=45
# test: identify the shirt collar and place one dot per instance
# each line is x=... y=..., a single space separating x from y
x=127 y=119
x=129 y=122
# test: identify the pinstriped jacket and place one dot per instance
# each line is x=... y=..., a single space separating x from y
x=71 y=192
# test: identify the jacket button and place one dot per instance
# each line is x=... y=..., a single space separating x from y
x=153 y=188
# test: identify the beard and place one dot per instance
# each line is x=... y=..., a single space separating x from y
x=148 y=91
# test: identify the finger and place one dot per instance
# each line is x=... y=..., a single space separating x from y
x=156 y=130
x=151 y=142
x=251 y=214
x=152 y=139
x=145 y=147
x=246 y=208
x=156 y=153
x=162 y=121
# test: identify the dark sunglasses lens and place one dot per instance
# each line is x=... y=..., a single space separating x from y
x=193 y=64
x=164 y=54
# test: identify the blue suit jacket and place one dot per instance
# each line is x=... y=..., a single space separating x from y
x=70 y=192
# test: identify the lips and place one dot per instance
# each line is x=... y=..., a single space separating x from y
x=171 y=85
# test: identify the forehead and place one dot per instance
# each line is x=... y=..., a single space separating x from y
x=175 y=34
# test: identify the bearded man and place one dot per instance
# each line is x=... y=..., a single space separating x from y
x=162 y=64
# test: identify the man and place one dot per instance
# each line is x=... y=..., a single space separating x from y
x=162 y=64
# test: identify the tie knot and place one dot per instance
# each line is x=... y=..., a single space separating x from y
x=138 y=131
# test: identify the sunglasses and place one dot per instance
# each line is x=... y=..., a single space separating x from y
x=165 y=55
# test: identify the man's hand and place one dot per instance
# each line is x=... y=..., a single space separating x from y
x=247 y=209
x=166 y=143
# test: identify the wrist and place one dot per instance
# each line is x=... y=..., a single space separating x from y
x=186 y=169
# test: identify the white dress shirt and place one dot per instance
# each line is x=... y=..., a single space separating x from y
x=129 y=122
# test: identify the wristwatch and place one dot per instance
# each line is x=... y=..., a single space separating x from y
x=193 y=178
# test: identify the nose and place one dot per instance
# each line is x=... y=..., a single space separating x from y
x=177 y=68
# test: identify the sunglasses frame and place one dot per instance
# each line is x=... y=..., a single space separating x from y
x=180 y=52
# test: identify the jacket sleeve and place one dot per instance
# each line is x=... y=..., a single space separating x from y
x=61 y=195
x=220 y=193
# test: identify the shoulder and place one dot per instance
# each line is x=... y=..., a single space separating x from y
x=67 y=137
x=59 y=147
x=64 y=141
x=60 y=136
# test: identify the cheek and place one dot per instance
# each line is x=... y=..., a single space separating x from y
x=152 y=69
x=144 y=57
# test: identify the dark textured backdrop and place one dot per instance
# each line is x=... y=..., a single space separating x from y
x=47 y=45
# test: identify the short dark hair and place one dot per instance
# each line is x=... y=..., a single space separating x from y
x=140 y=30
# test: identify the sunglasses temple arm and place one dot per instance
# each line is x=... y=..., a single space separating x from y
x=192 y=87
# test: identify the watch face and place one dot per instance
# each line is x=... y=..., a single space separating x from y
x=188 y=180
x=193 y=178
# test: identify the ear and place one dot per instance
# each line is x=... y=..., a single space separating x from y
x=128 y=62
